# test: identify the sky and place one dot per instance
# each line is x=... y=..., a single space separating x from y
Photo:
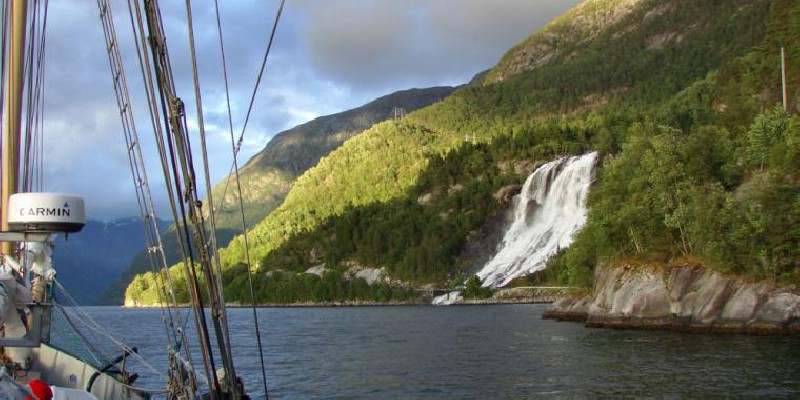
x=328 y=56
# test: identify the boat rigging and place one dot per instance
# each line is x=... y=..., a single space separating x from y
x=38 y=215
x=31 y=362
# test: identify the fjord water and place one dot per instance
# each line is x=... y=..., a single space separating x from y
x=548 y=212
x=503 y=351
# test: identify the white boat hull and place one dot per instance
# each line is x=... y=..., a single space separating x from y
x=63 y=370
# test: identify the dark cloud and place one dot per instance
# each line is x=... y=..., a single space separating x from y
x=329 y=56
x=373 y=45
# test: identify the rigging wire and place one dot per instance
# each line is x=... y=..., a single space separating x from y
x=4 y=40
x=38 y=183
x=238 y=146
x=211 y=244
x=155 y=250
x=28 y=77
x=126 y=115
x=32 y=147
x=89 y=322
x=175 y=152
x=235 y=168
x=260 y=74
x=180 y=154
x=140 y=38
x=173 y=188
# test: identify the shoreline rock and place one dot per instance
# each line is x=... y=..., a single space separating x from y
x=683 y=298
x=516 y=295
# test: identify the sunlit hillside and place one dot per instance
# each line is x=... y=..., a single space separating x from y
x=680 y=99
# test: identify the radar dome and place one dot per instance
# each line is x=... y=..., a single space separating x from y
x=45 y=212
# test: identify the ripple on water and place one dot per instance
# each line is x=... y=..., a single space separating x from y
x=482 y=351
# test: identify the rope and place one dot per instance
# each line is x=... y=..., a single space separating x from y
x=32 y=148
x=145 y=390
x=86 y=343
x=181 y=162
x=261 y=72
x=145 y=64
x=155 y=250
x=211 y=244
x=238 y=146
x=147 y=78
x=92 y=325
x=235 y=167
x=121 y=345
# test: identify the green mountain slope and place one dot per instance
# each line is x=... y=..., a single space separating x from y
x=267 y=177
x=669 y=92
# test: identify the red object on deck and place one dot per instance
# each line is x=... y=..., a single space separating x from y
x=41 y=390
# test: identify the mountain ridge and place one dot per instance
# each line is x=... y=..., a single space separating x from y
x=267 y=176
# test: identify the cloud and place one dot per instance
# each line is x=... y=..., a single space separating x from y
x=329 y=56
x=373 y=45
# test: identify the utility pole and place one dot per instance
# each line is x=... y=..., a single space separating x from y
x=783 y=76
x=399 y=113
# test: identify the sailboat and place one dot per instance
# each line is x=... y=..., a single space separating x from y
x=34 y=366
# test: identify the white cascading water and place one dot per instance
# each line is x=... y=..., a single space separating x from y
x=547 y=213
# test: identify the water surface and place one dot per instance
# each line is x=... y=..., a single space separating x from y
x=498 y=351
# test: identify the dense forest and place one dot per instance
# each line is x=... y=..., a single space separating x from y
x=699 y=160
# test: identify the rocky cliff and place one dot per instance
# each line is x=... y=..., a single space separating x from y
x=685 y=298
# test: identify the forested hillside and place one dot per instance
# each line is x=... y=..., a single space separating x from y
x=267 y=177
x=680 y=97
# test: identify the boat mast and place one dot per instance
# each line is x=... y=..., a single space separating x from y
x=184 y=178
x=12 y=110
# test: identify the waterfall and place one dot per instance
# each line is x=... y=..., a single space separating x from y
x=547 y=213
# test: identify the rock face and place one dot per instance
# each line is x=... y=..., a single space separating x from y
x=685 y=298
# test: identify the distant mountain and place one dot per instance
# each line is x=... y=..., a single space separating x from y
x=267 y=177
x=101 y=251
